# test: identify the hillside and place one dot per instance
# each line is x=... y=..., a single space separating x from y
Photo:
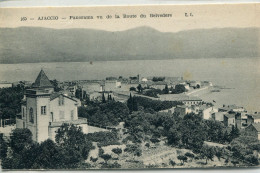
x=28 y=44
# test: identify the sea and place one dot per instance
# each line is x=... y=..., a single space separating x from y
x=239 y=78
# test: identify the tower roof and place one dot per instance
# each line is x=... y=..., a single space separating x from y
x=42 y=81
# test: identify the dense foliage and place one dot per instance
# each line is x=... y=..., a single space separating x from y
x=3 y=148
x=10 y=99
x=243 y=148
x=69 y=151
x=142 y=103
x=103 y=138
x=105 y=114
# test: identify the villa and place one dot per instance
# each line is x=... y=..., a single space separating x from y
x=44 y=111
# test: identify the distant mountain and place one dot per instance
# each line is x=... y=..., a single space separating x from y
x=29 y=44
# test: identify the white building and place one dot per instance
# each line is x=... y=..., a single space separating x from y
x=207 y=111
x=44 y=111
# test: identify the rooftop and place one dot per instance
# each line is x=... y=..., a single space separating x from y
x=230 y=115
x=42 y=81
x=255 y=116
x=256 y=126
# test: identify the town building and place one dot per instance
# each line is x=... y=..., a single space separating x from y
x=229 y=119
x=44 y=111
x=232 y=108
x=185 y=99
x=253 y=118
x=207 y=111
x=253 y=130
x=182 y=110
x=218 y=116
x=5 y=85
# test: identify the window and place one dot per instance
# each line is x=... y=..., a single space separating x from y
x=23 y=112
x=61 y=100
x=51 y=116
x=43 y=110
x=72 y=114
x=61 y=115
x=31 y=115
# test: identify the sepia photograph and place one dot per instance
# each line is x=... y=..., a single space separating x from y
x=130 y=87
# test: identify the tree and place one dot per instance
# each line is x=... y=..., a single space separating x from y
x=130 y=103
x=100 y=152
x=190 y=155
x=134 y=149
x=171 y=162
x=179 y=89
x=20 y=139
x=207 y=153
x=73 y=143
x=49 y=157
x=226 y=137
x=182 y=158
x=193 y=131
x=3 y=148
x=173 y=136
x=139 y=88
x=234 y=162
x=117 y=151
x=103 y=98
x=166 y=89
x=234 y=132
x=135 y=105
x=219 y=153
x=132 y=89
x=106 y=157
x=55 y=84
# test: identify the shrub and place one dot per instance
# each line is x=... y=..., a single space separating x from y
x=106 y=157
x=182 y=158
x=93 y=159
x=190 y=155
x=117 y=150
x=154 y=140
x=171 y=162
x=100 y=152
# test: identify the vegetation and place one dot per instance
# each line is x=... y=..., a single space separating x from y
x=55 y=84
x=69 y=151
x=104 y=114
x=152 y=92
x=158 y=79
x=133 y=149
x=179 y=89
x=141 y=103
x=182 y=158
x=103 y=138
x=190 y=155
x=10 y=100
x=3 y=148
x=243 y=148
x=106 y=157
x=207 y=153
x=117 y=151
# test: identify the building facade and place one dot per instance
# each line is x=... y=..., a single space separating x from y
x=42 y=108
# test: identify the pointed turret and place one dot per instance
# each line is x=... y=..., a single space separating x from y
x=42 y=81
